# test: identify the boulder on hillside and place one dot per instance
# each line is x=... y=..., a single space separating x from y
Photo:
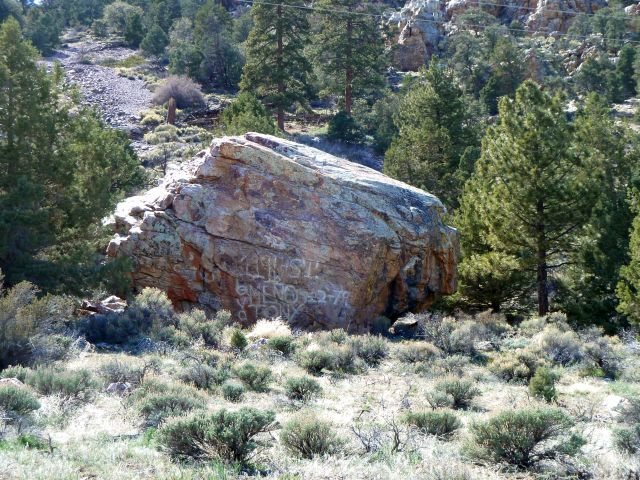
x=268 y=228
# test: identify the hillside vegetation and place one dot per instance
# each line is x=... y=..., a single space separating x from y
x=162 y=395
x=522 y=120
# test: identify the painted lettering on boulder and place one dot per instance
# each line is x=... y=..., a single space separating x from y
x=269 y=286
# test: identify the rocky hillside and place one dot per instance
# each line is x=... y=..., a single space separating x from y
x=419 y=28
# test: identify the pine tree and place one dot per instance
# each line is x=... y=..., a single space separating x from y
x=507 y=73
x=276 y=68
x=533 y=189
x=247 y=114
x=221 y=63
x=59 y=173
x=155 y=41
x=589 y=284
x=625 y=70
x=628 y=289
x=349 y=49
x=134 y=31
x=436 y=133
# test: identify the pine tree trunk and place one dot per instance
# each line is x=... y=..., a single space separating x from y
x=348 y=88
x=542 y=270
x=281 y=86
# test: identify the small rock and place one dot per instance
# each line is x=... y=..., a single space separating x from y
x=406 y=327
x=13 y=382
x=119 y=388
x=257 y=344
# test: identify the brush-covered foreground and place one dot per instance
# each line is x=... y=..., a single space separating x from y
x=470 y=398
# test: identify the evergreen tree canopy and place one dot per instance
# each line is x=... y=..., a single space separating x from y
x=276 y=68
x=628 y=289
x=533 y=188
x=436 y=134
x=349 y=49
x=60 y=173
x=589 y=284
x=247 y=114
x=221 y=61
x=155 y=41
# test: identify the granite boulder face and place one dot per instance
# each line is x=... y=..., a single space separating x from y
x=269 y=228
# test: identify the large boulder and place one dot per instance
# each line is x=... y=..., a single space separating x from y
x=268 y=228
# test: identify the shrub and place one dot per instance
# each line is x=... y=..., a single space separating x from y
x=369 y=348
x=630 y=412
x=314 y=361
x=269 y=329
x=599 y=351
x=151 y=310
x=302 y=388
x=247 y=114
x=517 y=366
x=162 y=134
x=440 y=424
x=465 y=336
x=523 y=438
x=417 y=352
x=462 y=391
x=307 y=437
x=340 y=359
x=117 y=13
x=185 y=91
x=223 y=435
x=437 y=399
x=151 y=119
x=255 y=377
x=232 y=391
x=133 y=31
x=30 y=441
x=338 y=335
x=543 y=384
x=197 y=326
x=116 y=371
x=99 y=28
x=17 y=401
x=156 y=408
x=202 y=376
x=47 y=348
x=238 y=340
x=452 y=336
x=561 y=347
x=18 y=372
x=344 y=127
x=24 y=316
x=282 y=344
x=69 y=384
x=628 y=439
x=455 y=365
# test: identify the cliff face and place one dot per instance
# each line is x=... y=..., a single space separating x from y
x=266 y=228
x=421 y=25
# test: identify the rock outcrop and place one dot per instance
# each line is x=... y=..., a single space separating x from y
x=269 y=228
x=418 y=29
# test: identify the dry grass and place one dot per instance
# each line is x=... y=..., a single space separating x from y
x=105 y=439
x=269 y=328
